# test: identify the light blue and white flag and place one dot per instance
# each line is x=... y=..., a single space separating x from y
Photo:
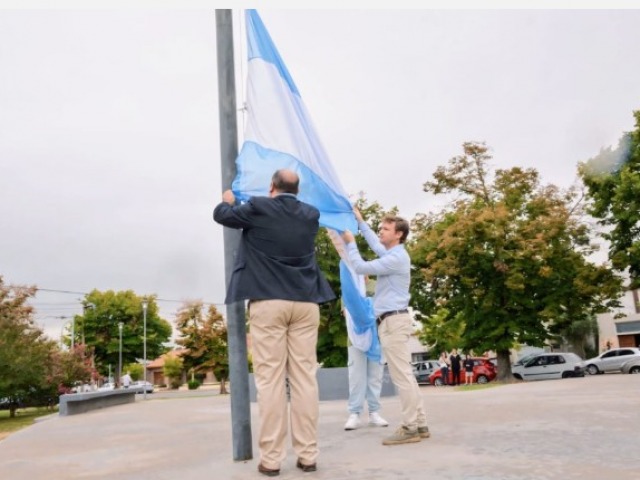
x=279 y=134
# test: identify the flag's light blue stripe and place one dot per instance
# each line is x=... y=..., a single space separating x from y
x=260 y=45
x=360 y=307
x=256 y=163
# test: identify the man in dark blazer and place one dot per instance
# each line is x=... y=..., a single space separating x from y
x=276 y=270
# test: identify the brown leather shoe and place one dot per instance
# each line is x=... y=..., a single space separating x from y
x=269 y=472
x=306 y=468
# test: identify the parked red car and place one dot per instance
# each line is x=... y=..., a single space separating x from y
x=483 y=371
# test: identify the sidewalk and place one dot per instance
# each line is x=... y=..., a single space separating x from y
x=584 y=428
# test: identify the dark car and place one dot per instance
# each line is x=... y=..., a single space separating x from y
x=423 y=370
x=483 y=372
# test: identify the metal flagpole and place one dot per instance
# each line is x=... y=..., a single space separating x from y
x=237 y=335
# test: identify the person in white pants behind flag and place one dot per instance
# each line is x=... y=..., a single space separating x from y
x=365 y=382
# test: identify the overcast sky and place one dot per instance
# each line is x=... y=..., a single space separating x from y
x=109 y=135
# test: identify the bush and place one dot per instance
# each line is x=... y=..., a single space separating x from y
x=172 y=370
x=193 y=384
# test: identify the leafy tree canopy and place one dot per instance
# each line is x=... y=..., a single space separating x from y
x=99 y=326
x=28 y=366
x=205 y=340
x=506 y=259
x=612 y=179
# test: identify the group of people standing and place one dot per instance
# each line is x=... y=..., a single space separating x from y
x=452 y=363
x=276 y=271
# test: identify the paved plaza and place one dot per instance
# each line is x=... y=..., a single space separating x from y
x=584 y=428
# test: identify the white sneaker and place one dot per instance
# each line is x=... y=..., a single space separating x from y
x=353 y=422
x=375 y=420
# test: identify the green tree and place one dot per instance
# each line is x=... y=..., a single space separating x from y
x=612 y=179
x=332 y=333
x=99 y=326
x=441 y=332
x=220 y=360
x=205 y=341
x=26 y=354
x=172 y=370
x=136 y=371
x=507 y=258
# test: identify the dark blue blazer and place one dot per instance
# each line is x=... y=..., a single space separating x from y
x=276 y=259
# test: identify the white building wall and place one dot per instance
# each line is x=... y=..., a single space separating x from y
x=607 y=322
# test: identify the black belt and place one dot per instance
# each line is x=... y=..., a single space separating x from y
x=384 y=315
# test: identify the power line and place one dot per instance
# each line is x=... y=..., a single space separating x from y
x=70 y=292
x=38 y=289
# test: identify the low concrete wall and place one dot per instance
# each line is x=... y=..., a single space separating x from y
x=333 y=384
x=74 y=403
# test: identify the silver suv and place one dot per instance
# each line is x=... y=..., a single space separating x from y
x=610 y=361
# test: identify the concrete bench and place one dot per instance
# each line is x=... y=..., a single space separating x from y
x=74 y=403
x=333 y=384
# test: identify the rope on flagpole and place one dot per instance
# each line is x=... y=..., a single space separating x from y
x=242 y=59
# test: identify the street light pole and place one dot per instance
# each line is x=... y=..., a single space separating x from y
x=120 y=325
x=144 y=347
x=85 y=307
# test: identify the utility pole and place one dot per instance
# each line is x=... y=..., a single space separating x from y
x=120 y=326
x=145 y=305
x=237 y=335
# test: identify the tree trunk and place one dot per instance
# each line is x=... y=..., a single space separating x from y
x=223 y=387
x=504 y=367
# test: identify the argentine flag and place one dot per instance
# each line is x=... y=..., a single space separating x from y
x=279 y=134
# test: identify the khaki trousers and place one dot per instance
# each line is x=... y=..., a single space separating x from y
x=394 y=332
x=284 y=337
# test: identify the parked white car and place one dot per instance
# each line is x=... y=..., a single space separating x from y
x=610 y=361
x=140 y=386
x=107 y=386
x=546 y=366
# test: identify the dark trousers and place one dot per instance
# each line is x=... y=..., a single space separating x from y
x=445 y=375
x=456 y=376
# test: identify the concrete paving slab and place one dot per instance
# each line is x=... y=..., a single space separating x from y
x=584 y=428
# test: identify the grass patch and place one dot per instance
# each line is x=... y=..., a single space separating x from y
x=478 y=386
x=24 y=418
